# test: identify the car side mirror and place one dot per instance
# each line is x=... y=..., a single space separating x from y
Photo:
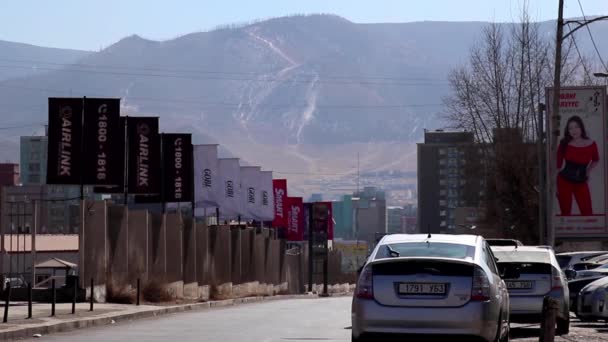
x=511 y=273
x=570 y=274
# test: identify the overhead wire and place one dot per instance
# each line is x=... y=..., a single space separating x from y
x=592 y=39
x=580 y=55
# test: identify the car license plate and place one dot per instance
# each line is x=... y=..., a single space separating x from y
x=422 y=289
x=519 y=285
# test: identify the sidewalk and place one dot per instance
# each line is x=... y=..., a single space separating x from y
x=19 y=327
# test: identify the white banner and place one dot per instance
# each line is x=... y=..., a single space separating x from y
x=251 y=200
x=267 y=195
x=229 y=191
x=579 y=195
x=206 y=181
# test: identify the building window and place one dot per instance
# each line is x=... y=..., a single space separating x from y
x=441 y=192
x=34 y=178
x=452 y=162
x=443 y=224
x=442 y=182
x=34 y=156
x=34 y=167
x=442 y=213
x=442 y=203
x=442 y=151
x=442 y=161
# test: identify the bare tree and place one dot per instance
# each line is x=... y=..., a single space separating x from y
x=498 y=92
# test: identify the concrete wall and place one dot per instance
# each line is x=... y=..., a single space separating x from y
x=156 y=248
x=138 y=246
x=189 y=258
x=118 y=225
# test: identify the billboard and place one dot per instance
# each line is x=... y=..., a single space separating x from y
x=206 y=178
x=280 y=194
x=144 y=155
x=229 y=196
x=579 y=189
x=65 y=141
x=103 y=142
x=177 y=164
x=295 y=218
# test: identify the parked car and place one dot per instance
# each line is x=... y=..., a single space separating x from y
x=574 y=287
x=531 y=274
x=504 y=242
x=435 y=285
x=591 y=301
x=567 y=260
x=600 y=271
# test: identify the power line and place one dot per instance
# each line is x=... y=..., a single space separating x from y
x=239 y=105
x=580 y=56
x=201 y=71
x=216 y=78
x=591 y=36
x=23 y=126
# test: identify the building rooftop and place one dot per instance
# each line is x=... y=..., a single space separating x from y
x=44 y=243
x=442 y=137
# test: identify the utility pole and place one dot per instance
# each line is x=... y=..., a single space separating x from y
x=542 y=172
x=555 y=120
x=358 y=173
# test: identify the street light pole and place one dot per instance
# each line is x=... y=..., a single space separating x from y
x=555 y=117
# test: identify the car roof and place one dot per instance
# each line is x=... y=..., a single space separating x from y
x=582 y=253
x=530 y=254
x=470 y=240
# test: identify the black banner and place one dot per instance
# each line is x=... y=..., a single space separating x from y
x=119 y=163
x=102 y=135
x=144 y=155
x=177 y=166
x=65 y=141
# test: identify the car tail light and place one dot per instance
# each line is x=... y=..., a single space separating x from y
x=556 y=279
x=365 y=287
x=480 y=291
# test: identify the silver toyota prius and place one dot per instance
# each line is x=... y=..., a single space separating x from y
x=431 y=285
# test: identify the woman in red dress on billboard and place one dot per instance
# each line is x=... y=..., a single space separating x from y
x=577 y=156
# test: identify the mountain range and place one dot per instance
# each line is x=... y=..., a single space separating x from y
x=301 y=95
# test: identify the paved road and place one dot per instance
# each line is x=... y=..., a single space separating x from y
x=279 y=321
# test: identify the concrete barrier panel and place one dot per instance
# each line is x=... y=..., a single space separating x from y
x=259 y=258
x=189 y=259
x=235 y=247
x=93 y=248
x=221 y=261
x=118 y=217
x=156 y=249
x=138 y=245
x=174 y=227
x=202 y=255
x=247 y=257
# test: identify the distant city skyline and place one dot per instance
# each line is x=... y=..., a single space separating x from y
x=96 y=24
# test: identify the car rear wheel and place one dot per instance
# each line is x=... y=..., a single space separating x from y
x=563 y=326
x=502 y=335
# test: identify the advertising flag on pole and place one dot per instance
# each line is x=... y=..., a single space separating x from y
x=119 y=163
x=280 y=194
x=295 y=218
x=580 y=189
x=206 y=176
x=266 y=196
x=144 y=155
x=65 y=141
x=103 y=152
x=230 y=201
x=177 y=162
x=250 y=197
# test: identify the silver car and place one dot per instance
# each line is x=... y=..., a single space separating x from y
x=592 y=301
x=431 y=285
x=532 y=273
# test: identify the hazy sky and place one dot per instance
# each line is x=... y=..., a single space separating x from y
x=91 y=24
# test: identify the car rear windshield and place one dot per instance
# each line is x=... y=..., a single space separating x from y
x=525 y=268
x=563 y=260
x=426 y=250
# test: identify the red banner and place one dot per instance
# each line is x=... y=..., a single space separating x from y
x=294 y=208
x=280 y=196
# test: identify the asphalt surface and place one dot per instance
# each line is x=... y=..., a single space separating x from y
x=301 y=320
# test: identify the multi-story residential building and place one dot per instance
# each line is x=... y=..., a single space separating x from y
x=449 y=177
x=33 y=152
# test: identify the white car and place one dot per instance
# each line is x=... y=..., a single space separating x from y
x=567 y=260
x=591 y=302
x=435 y=285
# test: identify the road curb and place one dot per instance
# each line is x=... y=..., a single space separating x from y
x=110 y=318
